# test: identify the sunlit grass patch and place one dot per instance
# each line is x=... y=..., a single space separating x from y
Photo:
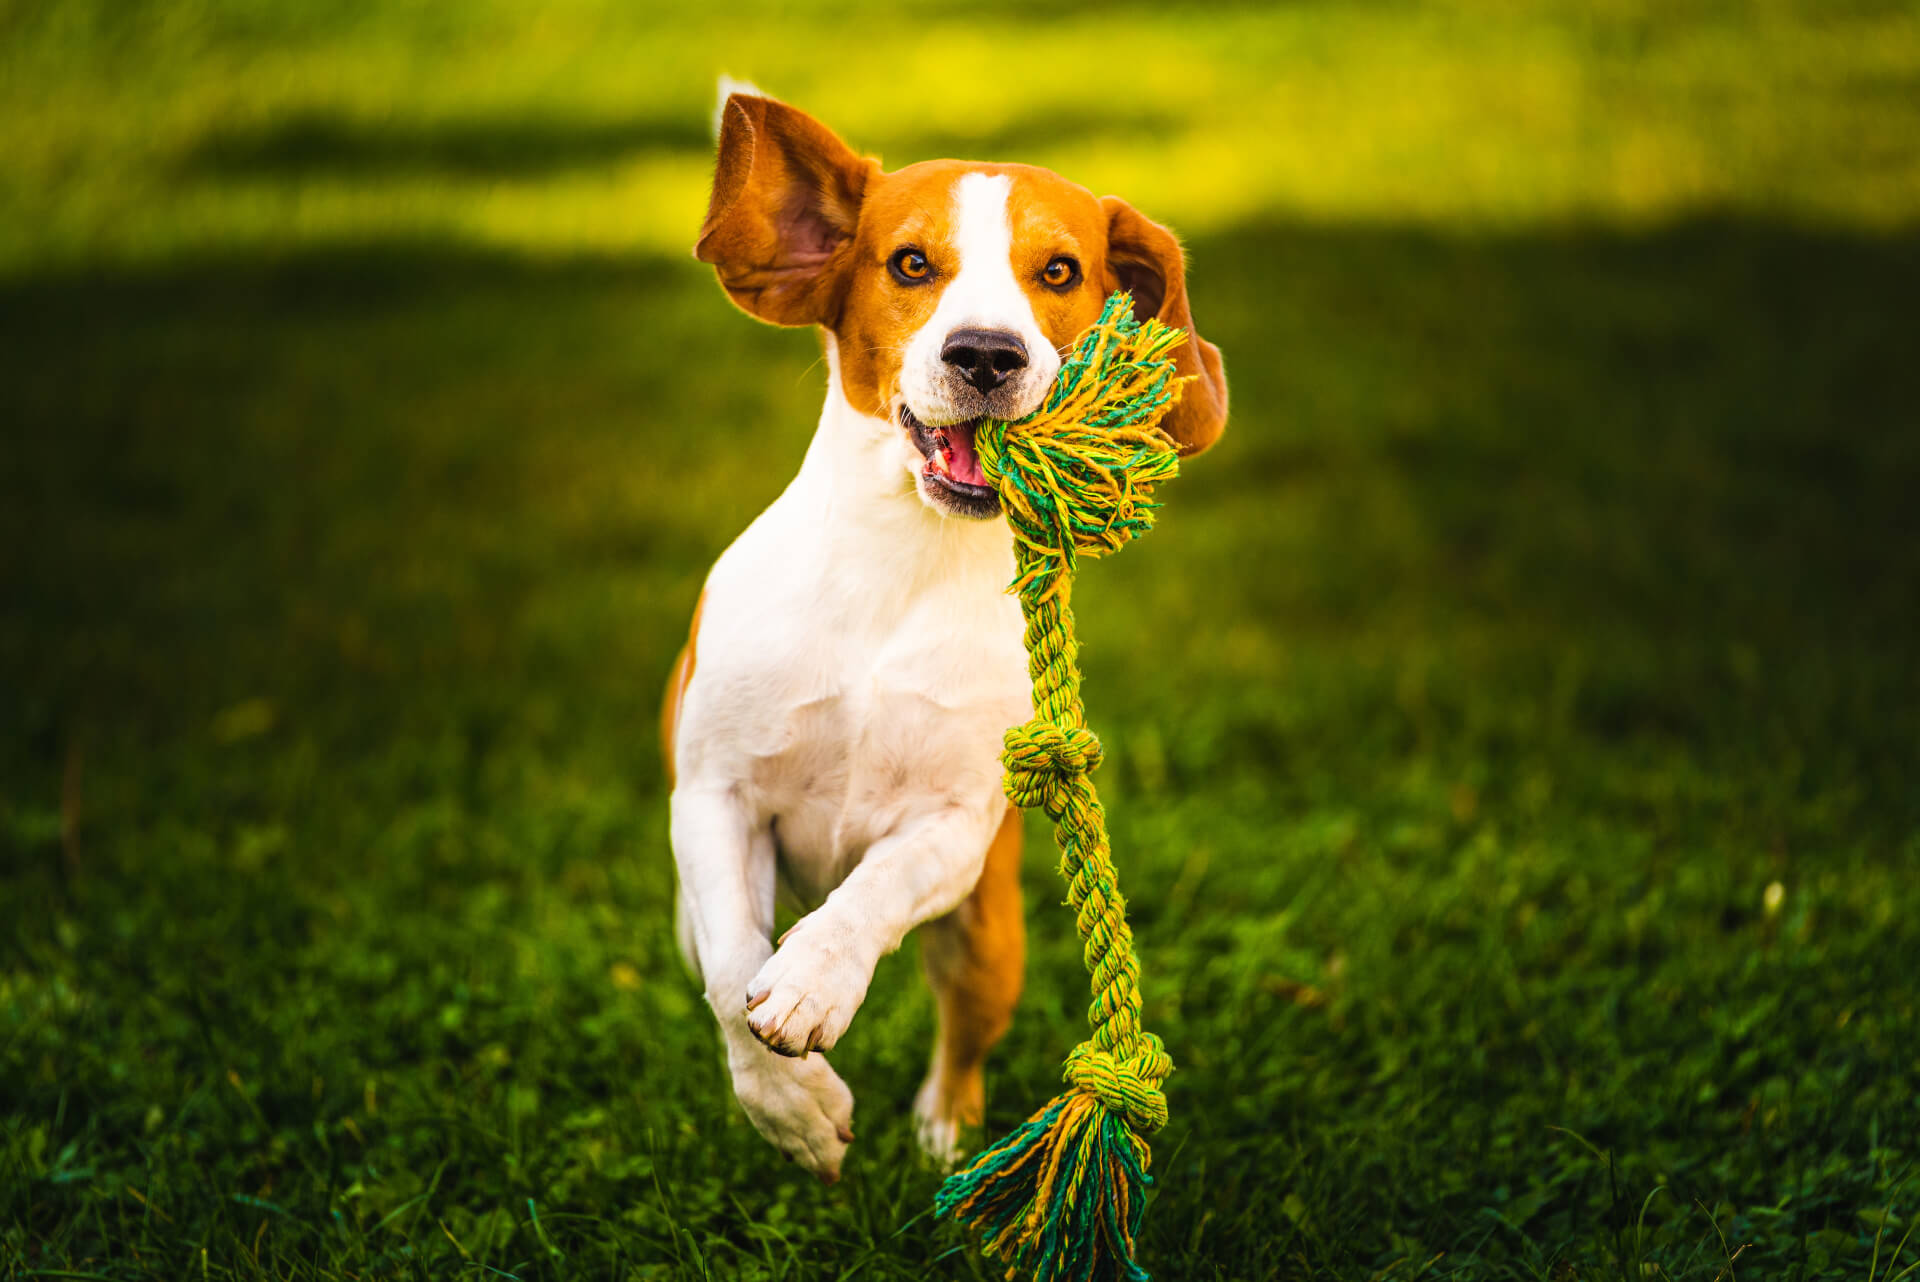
x=135 y=136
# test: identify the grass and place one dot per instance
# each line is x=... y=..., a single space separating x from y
x=1512 y=730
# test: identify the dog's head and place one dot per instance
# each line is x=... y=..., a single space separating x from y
x=950 y=288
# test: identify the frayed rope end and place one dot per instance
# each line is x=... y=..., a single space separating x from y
x=1077 y=476
x=1060 y=1197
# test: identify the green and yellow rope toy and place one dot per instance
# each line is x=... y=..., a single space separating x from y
x=1061 y=1197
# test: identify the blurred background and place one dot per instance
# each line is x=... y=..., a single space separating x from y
x=1512 y=731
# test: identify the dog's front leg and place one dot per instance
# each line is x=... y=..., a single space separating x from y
x=726 y=867
x=805 y=995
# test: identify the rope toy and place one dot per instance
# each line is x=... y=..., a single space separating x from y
x=1061 y=1197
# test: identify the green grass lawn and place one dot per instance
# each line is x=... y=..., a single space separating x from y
x=1513 y=730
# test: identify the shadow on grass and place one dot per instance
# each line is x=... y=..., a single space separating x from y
x=1695 y=447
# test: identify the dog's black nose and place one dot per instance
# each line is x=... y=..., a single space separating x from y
x=984 y=357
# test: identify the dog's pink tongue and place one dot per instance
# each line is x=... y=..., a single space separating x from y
x=962 y=463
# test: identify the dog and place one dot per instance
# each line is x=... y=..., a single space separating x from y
x=833 y=727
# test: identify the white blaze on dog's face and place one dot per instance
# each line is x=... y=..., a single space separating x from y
x=981 y=352
x=950 y=288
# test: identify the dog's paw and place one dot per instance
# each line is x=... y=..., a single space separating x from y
x=942 y=1112
x=939 y=1139
x=800 y=1106
x=805 y=996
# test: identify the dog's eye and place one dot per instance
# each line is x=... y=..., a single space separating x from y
x=909 y=266
x=1061 y=272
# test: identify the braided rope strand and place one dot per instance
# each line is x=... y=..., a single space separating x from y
x=1048 y=761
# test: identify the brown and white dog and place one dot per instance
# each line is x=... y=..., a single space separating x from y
x=833 y=726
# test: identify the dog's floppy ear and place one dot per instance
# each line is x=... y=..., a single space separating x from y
x=1145 y=260
x=786 y=198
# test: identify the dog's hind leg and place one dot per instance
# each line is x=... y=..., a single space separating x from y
x=975 y=960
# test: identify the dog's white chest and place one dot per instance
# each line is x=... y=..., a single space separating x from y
x=842 y=693
x=850 y=766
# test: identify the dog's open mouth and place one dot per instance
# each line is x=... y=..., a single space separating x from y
x=952 y=461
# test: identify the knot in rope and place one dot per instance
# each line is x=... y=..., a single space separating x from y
x=1129 y=1084
x=1042 y=760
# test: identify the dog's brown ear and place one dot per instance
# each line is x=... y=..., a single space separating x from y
x=1145 y=260
x=786 y=198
